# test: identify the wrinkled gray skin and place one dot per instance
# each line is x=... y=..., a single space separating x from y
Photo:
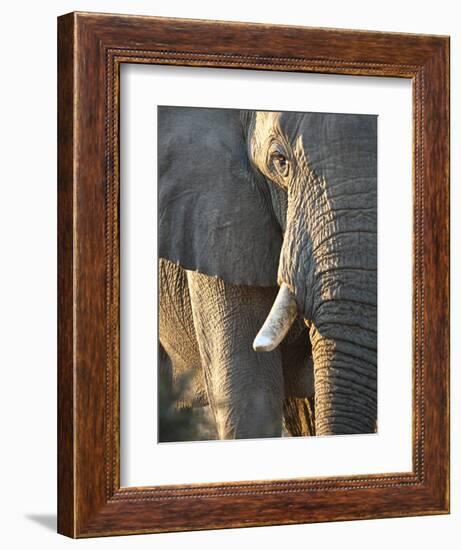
x=207 y=328
x=249 y=200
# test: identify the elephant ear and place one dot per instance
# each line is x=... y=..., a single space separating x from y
x=215 y=216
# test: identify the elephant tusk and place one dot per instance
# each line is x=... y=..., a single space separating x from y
x=278 y=322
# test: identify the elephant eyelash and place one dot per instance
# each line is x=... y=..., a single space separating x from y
x=281 y=164
x=281 y=159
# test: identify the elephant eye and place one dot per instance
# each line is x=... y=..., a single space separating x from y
x=281 y=164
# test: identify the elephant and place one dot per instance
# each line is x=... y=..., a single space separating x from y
x=268 y=267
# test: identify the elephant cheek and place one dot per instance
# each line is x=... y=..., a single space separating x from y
x=296 y=269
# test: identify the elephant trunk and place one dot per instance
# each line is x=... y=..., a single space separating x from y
x=334 y=279
x=344 y=354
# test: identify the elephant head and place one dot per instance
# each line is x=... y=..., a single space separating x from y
x=266 y=198
x=327 y=270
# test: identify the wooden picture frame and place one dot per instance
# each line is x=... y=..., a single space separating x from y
x=91 y=48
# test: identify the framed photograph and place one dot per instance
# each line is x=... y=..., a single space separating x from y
x=253 y=313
